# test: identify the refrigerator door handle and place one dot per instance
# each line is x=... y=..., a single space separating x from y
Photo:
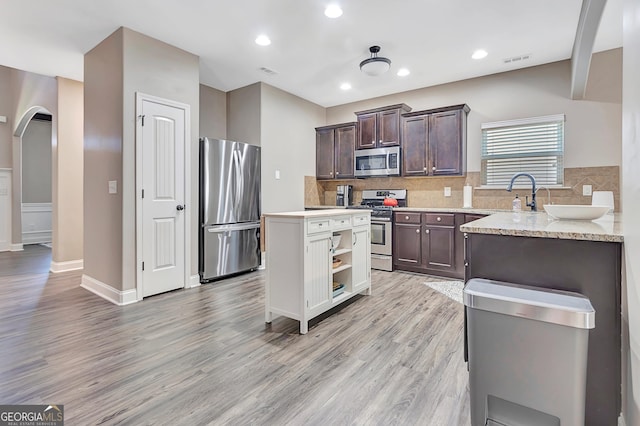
x=229 y=228
x=238 y=175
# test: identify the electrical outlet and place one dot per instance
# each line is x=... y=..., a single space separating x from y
x=586 y=190
x=277 y=174
x=447 y=191
x=113 y=187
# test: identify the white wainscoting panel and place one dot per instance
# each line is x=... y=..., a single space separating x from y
x=36 y=223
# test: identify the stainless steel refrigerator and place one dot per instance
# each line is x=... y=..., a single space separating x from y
x=229 y=208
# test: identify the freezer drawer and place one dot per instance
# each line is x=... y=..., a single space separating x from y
x=229 y=249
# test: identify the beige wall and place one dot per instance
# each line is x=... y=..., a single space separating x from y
x=213 y=113
x=631 y=208
x=288 y=145
x=592 y=130
x=122 y=65
x=158 y=69
x=243 y=114
x=36 y=162
x=6 y=109
x=68 y=217
x=103 y=112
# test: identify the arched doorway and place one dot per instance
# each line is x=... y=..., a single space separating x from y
x=33 y=202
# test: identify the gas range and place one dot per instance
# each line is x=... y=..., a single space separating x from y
x=374 y=201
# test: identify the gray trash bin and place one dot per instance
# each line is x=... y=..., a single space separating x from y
x=527 y=349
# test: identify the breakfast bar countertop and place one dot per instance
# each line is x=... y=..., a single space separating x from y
x=541 y=225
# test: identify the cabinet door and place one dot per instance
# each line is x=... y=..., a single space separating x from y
x=367 y=131
x=438 y=248
x=389 y=128
x=317 y=274
x=414 y=145
x=324 y=153
x=344 y=145
x=361 y=258
x=446 y=143
x=407 y=245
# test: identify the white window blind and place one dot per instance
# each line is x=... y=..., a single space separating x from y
x=532 y=145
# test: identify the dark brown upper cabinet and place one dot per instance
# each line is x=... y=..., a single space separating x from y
x=380 y=127
x=434 y=142
x=334 y=151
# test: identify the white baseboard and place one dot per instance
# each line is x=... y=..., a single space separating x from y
x=17 y=247
x=70 y=265
x=35 y=237
x=621 y=421
x=107 y=292
x=194 y=281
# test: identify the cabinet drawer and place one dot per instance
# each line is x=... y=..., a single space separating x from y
x=407 y=217
x=341 y=222
x=440 y=219
x=315 y=226
x=362 y=219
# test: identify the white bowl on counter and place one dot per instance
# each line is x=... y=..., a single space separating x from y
x=575 y=212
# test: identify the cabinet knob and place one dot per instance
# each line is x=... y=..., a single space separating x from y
x=426 y=231
x=337 y=173
x=417 y=231
x=433 y=168
x=438 y=218
x=424 y=168
x=406 y=218
x=380 y=141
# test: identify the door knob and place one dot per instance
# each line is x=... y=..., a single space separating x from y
x=179 y=207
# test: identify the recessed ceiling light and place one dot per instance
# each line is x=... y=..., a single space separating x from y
x=479 y=54
x=403 y=72
x=333 y=11
x=345 y=86
x=263 y=40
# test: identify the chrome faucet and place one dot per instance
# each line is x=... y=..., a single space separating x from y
x=533 y=205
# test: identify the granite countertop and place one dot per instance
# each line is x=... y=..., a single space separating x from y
x=540 y=225
x=318 y=213
x=318 y=207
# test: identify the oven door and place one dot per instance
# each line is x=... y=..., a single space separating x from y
x=380 y=237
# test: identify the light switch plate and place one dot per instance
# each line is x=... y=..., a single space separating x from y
x=586 y=190
x=277 y=174
x=3 y=118
x=447 y=191
x=113 y=187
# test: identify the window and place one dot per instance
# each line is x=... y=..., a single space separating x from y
x=531 y=145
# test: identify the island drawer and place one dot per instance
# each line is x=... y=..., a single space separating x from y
x=316 y=226
x=440 y=219
x=362 y=219
x=341 y=222
x=407 y=217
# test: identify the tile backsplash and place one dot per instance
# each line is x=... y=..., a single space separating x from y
x=429 y=191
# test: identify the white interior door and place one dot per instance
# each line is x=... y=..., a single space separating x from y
x=5 y=210
x=163 y=215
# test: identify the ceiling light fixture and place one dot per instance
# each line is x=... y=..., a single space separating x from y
x=403 y=72
x=263 y=40
x=479 y=54
x=333 y=11
x=345 y=86
x=375 y=65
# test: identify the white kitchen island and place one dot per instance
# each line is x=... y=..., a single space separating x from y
x=300 y=261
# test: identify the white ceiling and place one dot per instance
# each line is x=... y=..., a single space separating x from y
x=311 y=54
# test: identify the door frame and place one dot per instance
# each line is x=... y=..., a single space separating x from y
x=140 y=98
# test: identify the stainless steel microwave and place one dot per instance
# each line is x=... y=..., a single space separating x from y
x=377 y=162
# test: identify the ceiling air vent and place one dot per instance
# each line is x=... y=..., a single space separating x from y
x=268 y=71
x=516 y=59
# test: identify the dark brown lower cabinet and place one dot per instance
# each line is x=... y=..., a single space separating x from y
x=591 y=268
x=426 y=242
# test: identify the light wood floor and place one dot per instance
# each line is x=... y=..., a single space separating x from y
x=205 y=356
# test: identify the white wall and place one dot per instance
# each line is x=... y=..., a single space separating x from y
x=631 y=208
x=288 y=145
x=592 y=131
